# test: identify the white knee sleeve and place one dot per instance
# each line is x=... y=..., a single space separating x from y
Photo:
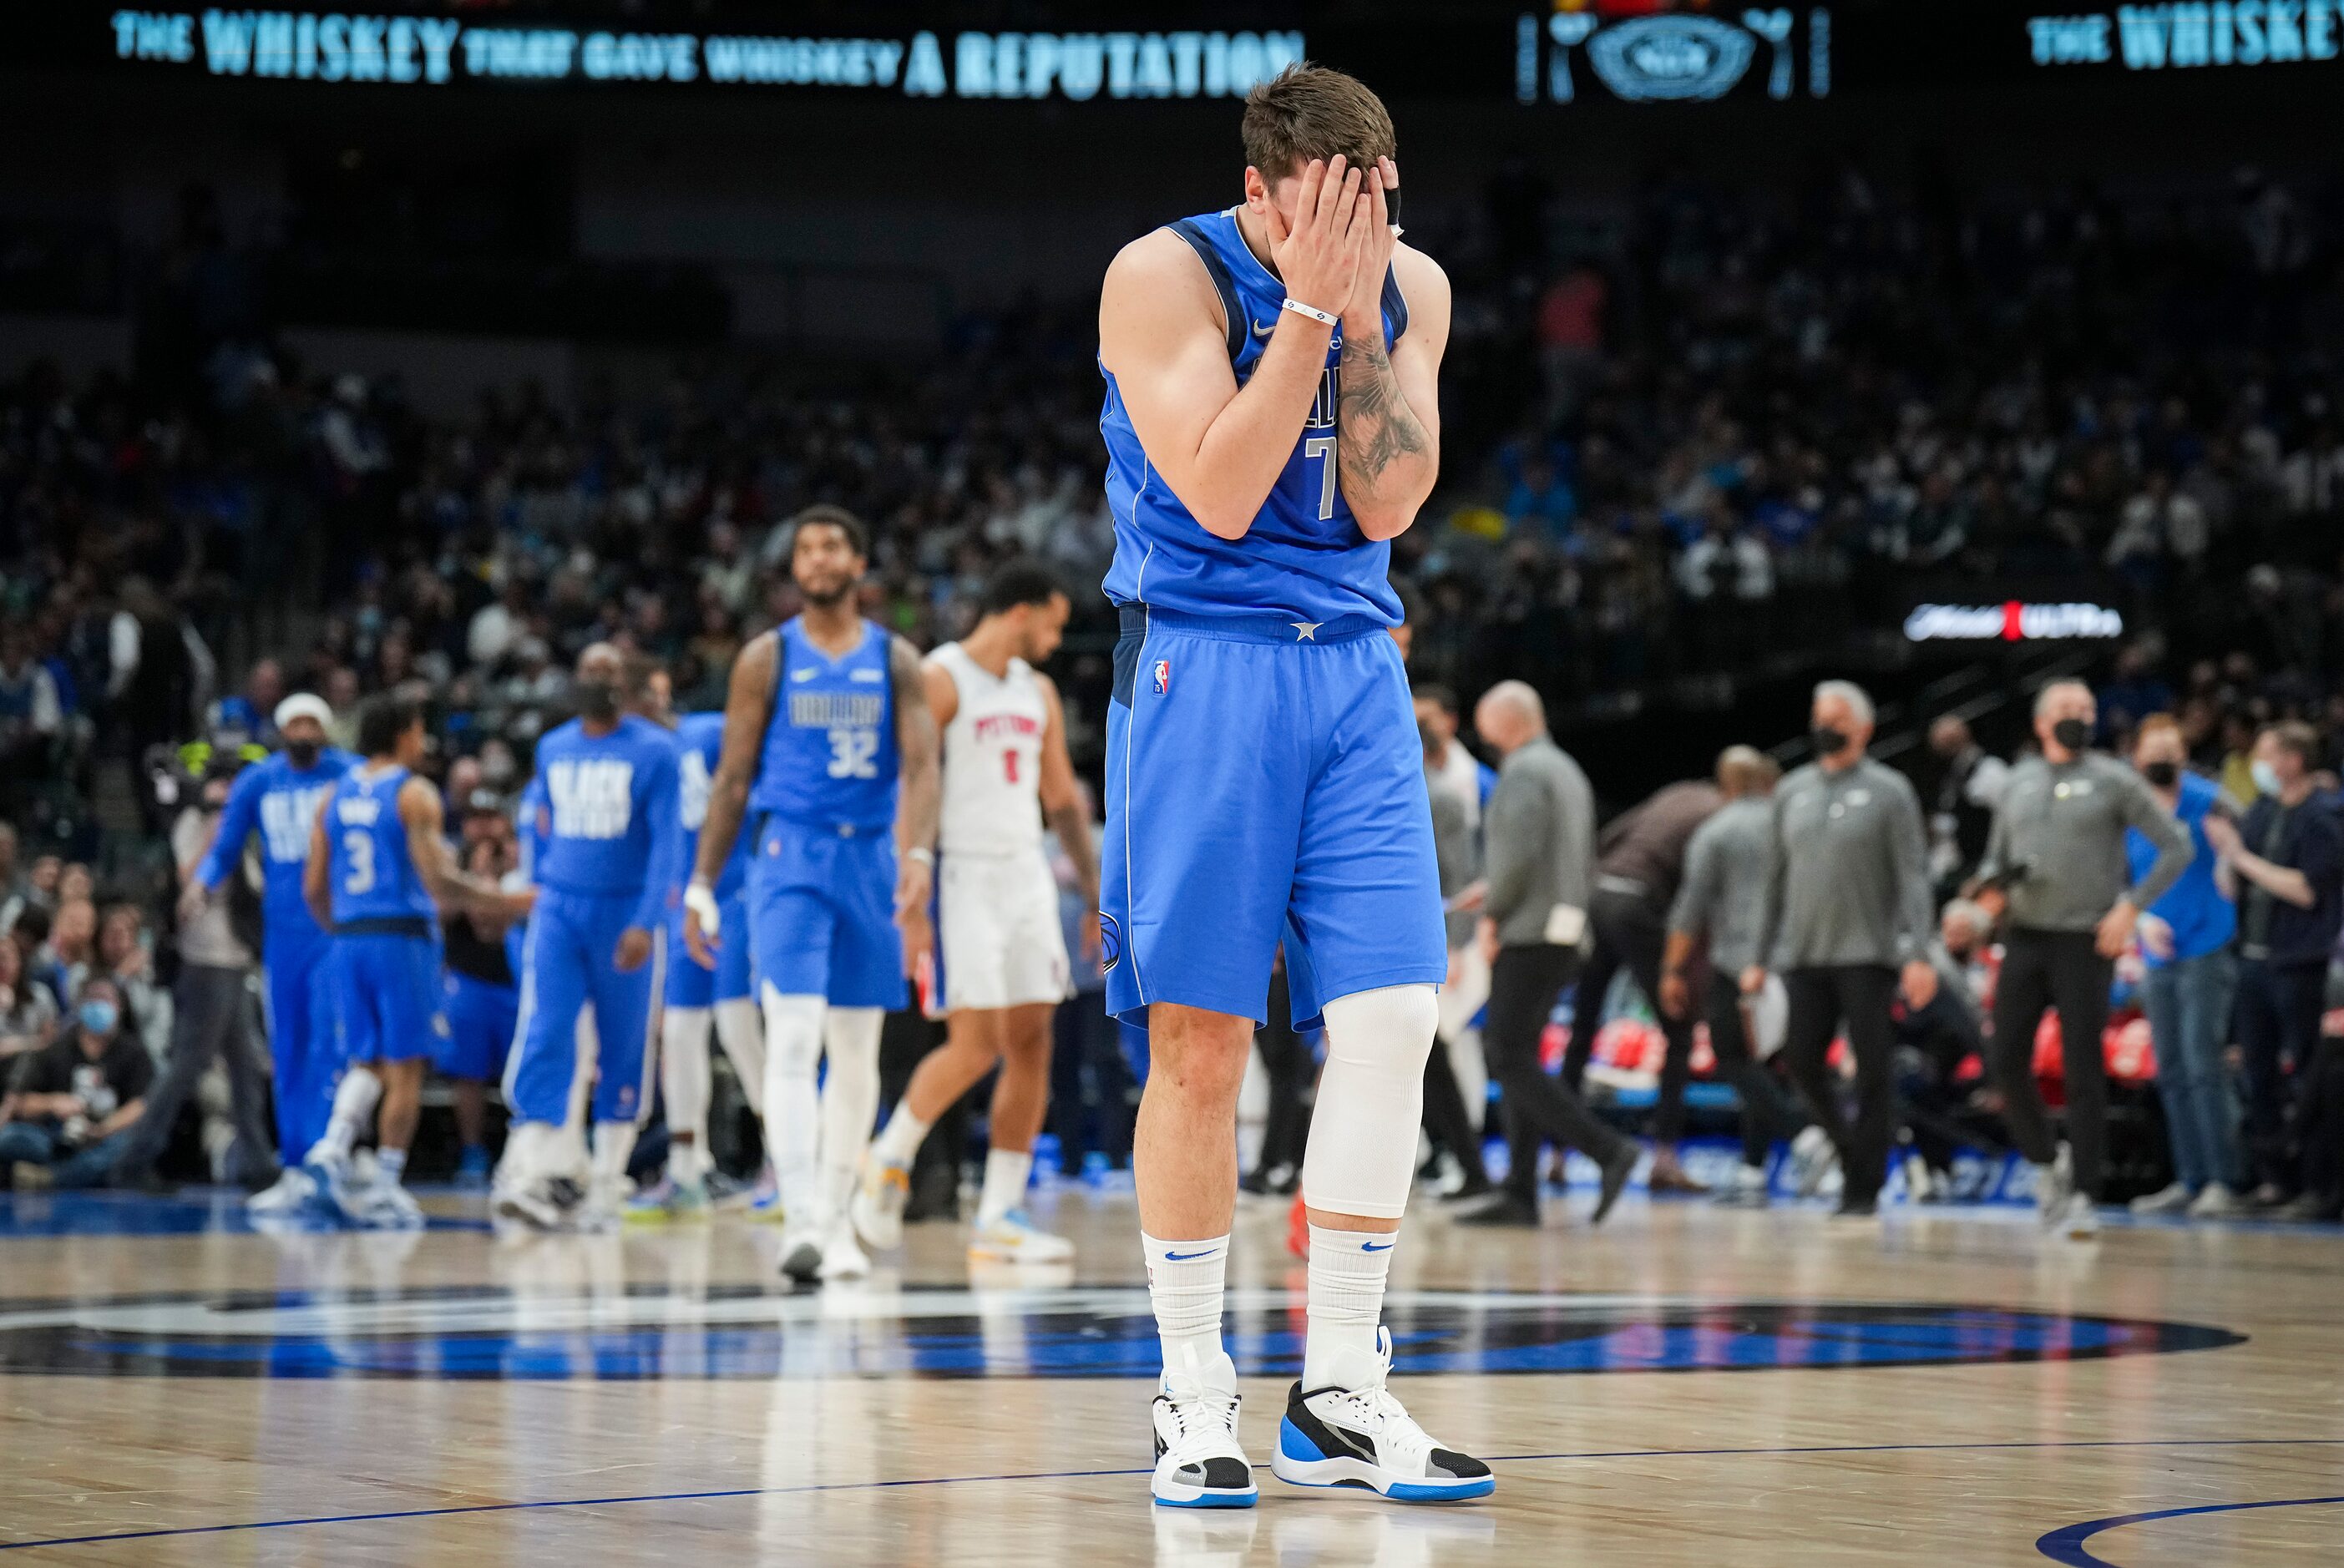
x=850 y=1099
x=1361 y=1156
x=793 y=1112
x=685 y=1071
x=737 y=1030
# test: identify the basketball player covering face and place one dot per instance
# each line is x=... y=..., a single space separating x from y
x=1271 y=424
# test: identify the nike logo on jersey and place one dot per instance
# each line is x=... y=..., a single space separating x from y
x=1261 y=331
x=803 y=674
x=1372 y=1247
x=1189 y=1257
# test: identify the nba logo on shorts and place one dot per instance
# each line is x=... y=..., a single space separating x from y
x=1163 y=677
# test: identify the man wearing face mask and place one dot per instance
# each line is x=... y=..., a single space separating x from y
x=2285 y=865
x=605 y=801
x=2055 y=867
x=2193 y=977
x=71 y=1106
x=1846 y=917
x=278 y=799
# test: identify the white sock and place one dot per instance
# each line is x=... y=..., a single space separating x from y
x=354 y=1103
x=850 y=1099
x=742 y=1037
x=792 y=1105
x=1348 y=1268
x=1184 y=1283
x=899 y=1142
x=683 y=1161
x=685 y=1081
x=393 y=1163
x=1006 y=1170
x=614 y=1145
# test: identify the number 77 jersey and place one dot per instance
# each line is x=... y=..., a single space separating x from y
x=830 y=759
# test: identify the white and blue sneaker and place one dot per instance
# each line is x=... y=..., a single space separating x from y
x=294 y=1191
x=667 y=1201
x=1199 y=1462
x=1015 y=1239
x=877 y=1206
x=1353 y=1433
x=383 y=1205
x=333 y=1187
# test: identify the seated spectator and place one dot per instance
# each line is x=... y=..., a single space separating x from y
x=28 y=1014
x=123 y=957
x=71 y=1104
x=72 y=947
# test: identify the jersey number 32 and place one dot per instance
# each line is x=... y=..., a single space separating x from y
x=852 y=753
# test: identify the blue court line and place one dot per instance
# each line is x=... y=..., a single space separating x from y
x=2065 y=1544
x=1087 y=1474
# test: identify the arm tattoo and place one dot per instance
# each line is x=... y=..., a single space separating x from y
x=1376 y=425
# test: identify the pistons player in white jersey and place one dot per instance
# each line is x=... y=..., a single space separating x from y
x=1002 y=969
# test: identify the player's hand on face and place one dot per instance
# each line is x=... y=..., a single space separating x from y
x=1319 y=255
x=1363 y=311
x=634 y=950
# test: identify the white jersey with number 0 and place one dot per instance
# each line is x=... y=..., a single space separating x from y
x=992 y=758
x=997 y=904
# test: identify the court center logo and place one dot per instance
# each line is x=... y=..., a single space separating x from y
x=1072 y=1332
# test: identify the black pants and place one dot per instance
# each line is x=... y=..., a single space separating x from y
x=2277 y=1021
x=2058 y=969
x=1524 y=985
x=1446 y=1119
x=1286 y=1062
x=1822 y=998
x=212 y=1017
x=1631 y=933
x=1767 y=1113
x=2322 y=1123
x=1093 y=1102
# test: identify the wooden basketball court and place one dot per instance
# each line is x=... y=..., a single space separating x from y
x=1685 y=1385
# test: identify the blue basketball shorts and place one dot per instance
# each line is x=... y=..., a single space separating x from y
x=387 y=994
x=481 y=1018
x=1265 y=784
x=688 y=984
x=822 y=914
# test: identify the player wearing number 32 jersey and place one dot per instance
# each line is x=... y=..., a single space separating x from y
x=1271 y=424
x=828 y=746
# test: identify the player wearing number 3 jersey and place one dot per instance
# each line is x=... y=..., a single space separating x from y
x=1271 y=424
x=828 y=743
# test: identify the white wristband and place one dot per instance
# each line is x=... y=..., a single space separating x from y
x=1299 y=309
x=922 y=854
x=700 y=899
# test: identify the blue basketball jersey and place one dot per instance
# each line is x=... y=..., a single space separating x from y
x=371 y=871
x=699 y=742
x=830 y=748
x=1305 y=558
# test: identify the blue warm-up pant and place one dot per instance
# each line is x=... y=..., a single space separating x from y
x=566 y=965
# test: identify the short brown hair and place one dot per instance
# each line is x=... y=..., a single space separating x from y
x=2158 y=724
x=2295 y=735
x=1307 y=112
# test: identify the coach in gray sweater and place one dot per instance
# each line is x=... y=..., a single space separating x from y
x=1539 y=854
x=2056 y=863
x=1847 y=907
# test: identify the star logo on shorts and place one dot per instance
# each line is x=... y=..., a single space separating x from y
x=1306 y=631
